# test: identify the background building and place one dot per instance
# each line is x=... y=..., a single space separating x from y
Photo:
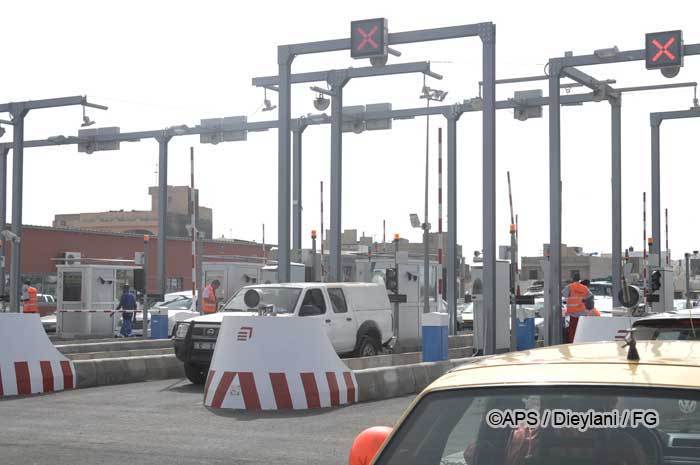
x=573 y=261
x=44 y=247
x=144 y=221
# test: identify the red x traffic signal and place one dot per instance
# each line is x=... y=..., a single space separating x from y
x=664 y=49
x=369 y=38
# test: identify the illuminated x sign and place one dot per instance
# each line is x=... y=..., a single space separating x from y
x=664 y=49
x=369 y=38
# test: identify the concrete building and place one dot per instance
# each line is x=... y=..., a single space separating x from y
x=44 y=247
x=574 y=261
x=143 y=221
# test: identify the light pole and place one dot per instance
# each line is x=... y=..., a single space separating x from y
x=415 y=222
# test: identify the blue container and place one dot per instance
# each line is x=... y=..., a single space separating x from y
x=435 y=340
x=159 y=326
x=526 y=334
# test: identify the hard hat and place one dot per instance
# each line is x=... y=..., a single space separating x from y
x=367 y=444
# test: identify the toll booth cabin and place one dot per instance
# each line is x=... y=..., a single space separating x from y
x=87 y=296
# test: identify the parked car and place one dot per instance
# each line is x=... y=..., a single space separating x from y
x=357 y=316
x=681 y=325
x=46 y=304
x=463 y=417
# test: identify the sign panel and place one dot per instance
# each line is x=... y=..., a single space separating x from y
x=369 y=38
x=89 y=139
x=664 y=49
x=229 y=129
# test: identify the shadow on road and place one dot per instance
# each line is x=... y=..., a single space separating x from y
x=267 y=414
x=184 y=386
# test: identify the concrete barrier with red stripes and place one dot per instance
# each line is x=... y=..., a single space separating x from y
x=29 y=363
x=276 y=363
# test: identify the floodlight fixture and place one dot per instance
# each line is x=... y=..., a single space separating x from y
x=321 y=102
x=607 y=53
x=415 y=221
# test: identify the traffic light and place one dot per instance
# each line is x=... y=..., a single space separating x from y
x=664 y=49
x=369 y=38
x=655 y=280
x=392 y=280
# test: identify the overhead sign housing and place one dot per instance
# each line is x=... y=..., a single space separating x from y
x=369 y=38
x=664 y=49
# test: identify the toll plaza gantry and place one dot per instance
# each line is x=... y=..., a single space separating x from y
x=663 y=51
x=371 y=39
x=656 y=119
x=18 y=111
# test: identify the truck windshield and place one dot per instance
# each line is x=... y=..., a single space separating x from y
x=459 y=427
x=283 y=299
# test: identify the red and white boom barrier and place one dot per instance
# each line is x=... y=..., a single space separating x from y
x=29 y=363
x=598 y=329
x=276 y=363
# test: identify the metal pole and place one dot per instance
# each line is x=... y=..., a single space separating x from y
x=199 y=249
x=17 y=178
x=193 y=223
x=426 y=223
x=655 y=193
x=668 y=253
x=553 y=321
x=296 y=188
x=513 y=273
x=687 y=281
x=162 y=210
x=323 y=268
x=284 y=60
x=644 y=241
x=451 y=283
x=144 y=332
x=440 y=265
x=488 y=38
x=616 y=179
x=3 y=218
x=335 y=240
x=313 y=256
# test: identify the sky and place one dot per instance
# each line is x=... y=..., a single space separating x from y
x=163 y=63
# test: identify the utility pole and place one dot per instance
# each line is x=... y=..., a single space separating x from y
x=193 y=223
x=687 y=281
x=145 y=278
x=513 y=272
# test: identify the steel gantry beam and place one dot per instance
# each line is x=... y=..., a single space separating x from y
x=18 y=111
x=656 y=119
x=487 y=33
x=558 y=68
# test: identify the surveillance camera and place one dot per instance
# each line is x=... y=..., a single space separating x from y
x=321 y=103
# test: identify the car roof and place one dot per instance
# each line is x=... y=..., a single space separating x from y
x=308 y=285
x=662 y=363
x=677 y=315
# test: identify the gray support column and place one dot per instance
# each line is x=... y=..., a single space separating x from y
x=284 y=61
x=488 y=37
x=553 y=321
x=616 y=178
x=335 y=238
x=3 y=213
x=17 y=173
x=162 y=210
x=655 y=190
x=451 y=282
x=296 y=187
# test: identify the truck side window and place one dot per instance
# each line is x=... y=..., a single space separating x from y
x=338 y=300
x=314 y=297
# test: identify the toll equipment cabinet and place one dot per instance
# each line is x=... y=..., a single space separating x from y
x=87 y=294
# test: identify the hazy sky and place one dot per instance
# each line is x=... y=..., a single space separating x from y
x=159 y=63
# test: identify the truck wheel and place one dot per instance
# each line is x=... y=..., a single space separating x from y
x=195 y=374
x=368 y=347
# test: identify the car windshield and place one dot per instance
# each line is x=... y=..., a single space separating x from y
x=459 y=427
x=283 y=299
x=668 y=329
x=177 y=304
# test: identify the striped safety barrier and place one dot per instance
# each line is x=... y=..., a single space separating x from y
x=29 y=363
x=276 y=363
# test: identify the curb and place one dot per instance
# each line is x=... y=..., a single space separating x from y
x=122 y=370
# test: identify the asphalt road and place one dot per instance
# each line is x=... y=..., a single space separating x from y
x=164 y=422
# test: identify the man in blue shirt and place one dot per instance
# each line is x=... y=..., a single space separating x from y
x=126 y=302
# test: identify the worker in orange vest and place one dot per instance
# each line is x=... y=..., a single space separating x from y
x=209 y=302
x=575 y=294
x=30 y=302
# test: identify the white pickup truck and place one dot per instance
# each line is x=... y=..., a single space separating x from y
x=357 y=316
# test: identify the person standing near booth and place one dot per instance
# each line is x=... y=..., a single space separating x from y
x=127 y=302
x=209 y=302
x=575 y=294
x=29 y=299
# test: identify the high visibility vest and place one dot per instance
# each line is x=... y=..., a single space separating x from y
x=30 y=306
x=574 y=302
x=209 y=300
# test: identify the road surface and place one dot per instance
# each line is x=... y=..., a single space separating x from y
x=164 y=422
